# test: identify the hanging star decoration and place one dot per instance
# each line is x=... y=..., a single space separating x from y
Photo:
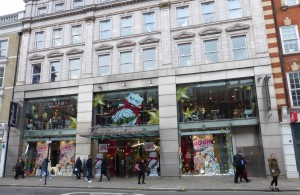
x=73 y=123
x=188 y=113
x=182 y=92
x=154 y=117
x=45 y=115
x=32 y=108
x=98 y=99
x=248 y=87
x=35 y=116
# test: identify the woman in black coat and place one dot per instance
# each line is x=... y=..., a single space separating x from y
x=78 y=167
x=142 y=170
x=104 y=165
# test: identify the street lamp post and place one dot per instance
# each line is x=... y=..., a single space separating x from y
x=47 y=160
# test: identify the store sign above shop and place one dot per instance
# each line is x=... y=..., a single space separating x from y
x=12 y=120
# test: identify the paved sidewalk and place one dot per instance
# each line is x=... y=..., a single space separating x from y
x=196 y=183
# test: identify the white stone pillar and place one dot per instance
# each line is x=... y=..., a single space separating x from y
x=88 y=36
x=168 y=127
x=3 y=153
x=23 y=56
x=288 y=145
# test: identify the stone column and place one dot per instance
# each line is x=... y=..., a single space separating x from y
x=89 y=35
x=168 y=127
x=288 y=145
x=84 y=118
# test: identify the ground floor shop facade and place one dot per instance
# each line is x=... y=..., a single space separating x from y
x=182 y=125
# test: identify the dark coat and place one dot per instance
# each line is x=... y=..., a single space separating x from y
x=104 y=165
x=78 y=164
x=89 y=163
x=142 y=167
x=239 y=161
x=273 y=167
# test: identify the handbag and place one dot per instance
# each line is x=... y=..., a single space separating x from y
x=137 y=167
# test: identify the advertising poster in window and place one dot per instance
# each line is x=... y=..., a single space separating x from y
x=204 y=160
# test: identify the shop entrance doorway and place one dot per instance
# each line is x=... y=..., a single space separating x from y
x=54 y=153
x=123 y=154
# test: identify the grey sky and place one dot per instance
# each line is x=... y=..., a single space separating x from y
x=11 y=6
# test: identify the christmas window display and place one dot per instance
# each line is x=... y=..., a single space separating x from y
x=66 y=158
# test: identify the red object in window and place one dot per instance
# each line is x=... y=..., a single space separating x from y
x=294 y=117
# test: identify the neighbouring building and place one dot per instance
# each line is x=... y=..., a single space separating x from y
x=10 y=28
x=183 y=84
x=282 y=26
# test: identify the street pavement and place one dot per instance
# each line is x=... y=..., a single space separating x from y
x=185 y=183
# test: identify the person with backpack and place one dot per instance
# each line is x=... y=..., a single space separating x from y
x=104 y=165
x=78 y=168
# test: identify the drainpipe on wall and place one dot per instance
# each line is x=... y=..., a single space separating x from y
x=14 y=84
x=280 y=55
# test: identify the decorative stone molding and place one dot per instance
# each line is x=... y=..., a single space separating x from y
x=283 y=6
x=36 y=57
x=125 y=43
x=295 y=67
x=164 y=5
x=148 y=40
x=26 y=30
x=103 y=47
x=237 y=27
x=74 y=51
x=89 y=19
x=287 y=21
x=184 y=35
x=210 y=31
x=54 y=54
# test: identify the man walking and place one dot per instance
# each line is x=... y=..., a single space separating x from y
x=89 y=165
x=104 y=165
x=239 y=164
x=44 y=168
x=78 y=166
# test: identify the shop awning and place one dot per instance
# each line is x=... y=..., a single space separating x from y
x=109 y=132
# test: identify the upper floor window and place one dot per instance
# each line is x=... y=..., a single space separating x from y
x=126 y=26
x=234 y=9
x=291 y=2
x=239 y=47
x=126 y=62
x=211 y=51
x=41 y=11
x=3 y=48
x=104 y=65
x=105 y=29
x=59 y=7
x=74 y=68
x=149 y=22
x=78 y=3
x=76 y=34
x=57 y=37
x=182 y=16
x=294 y=82
x=208 y=12
x=36 y=73
x=55 y=71
x=39 y=40
x=290 y=39
x=149 y=59
x=1 y=76
x=185 y=54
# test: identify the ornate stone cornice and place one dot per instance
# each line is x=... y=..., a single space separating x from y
x=103 y=47
x=54 y=54
x=36 y=57
x=26 y=30
x=125 y=43
x=184 y=35
x=237 y=27
x=89 y=19
x=210 y=31
x=164 y=5
x=74 y=51
x=148 y=40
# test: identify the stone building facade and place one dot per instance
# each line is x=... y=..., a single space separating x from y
x=183 y=84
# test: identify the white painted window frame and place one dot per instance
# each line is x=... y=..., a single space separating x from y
x=186 y=18
x=74 y=35
x=2 y=84
x=105 y=30
x=282 y=41
x=184 y=56
x=126 y=27
x=71 y=70
x=6 y=49
x=42 y=41
x=59 y=71
x=152 y=23
x=36 y=74
x=104 y=65
x=216 y=51
x=290 y=90
x=54 y=38
x=204 y=14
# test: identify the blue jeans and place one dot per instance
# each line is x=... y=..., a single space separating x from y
x=89 y=170
x=47 y=174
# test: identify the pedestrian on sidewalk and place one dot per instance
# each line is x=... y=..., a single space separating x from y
x=239 y=164
x=275 y=172
x=89 y=165
x=142 y=170
x=44 y=169
x=19 y=168
x=104 y=165
x=245 y=170
x=78 y=168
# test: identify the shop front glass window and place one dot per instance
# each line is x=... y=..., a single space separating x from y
x=229 y=99
x=130 y=107
x=51 y=113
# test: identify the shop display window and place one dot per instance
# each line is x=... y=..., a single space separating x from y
x=130 y=107
x=207 y=154
x=51 y=113
x=123 y=154
x=229 y=99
